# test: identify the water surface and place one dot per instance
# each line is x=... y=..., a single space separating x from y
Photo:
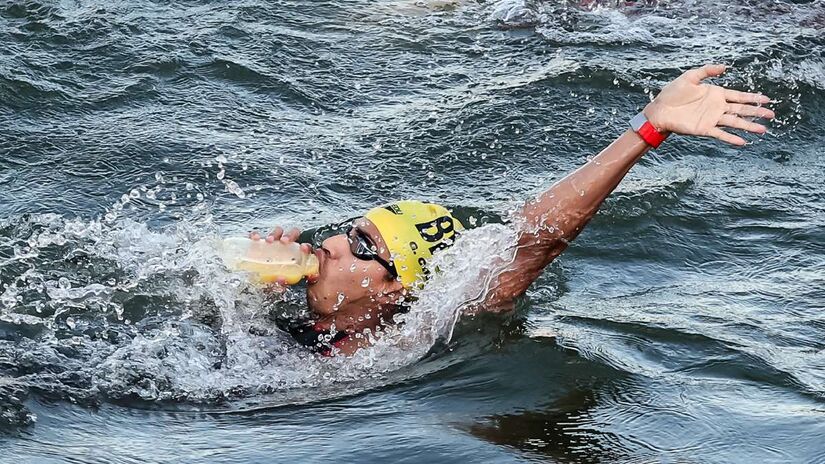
x=684 y=325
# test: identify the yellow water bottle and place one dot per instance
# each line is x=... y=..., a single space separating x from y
x=268 y=262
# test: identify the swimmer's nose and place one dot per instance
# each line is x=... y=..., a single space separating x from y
x=334 y=246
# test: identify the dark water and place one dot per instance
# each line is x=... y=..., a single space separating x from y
x=685 y=325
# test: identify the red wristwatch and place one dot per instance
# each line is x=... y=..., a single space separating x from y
x=646 y=131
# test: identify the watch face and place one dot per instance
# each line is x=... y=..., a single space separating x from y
x=638 y=121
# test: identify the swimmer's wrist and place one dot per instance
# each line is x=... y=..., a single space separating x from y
x=657 y=115
x=653 y=113
x=649 y=129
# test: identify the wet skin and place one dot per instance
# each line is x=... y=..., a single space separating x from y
x=347 y=282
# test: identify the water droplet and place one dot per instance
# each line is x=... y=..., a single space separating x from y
x=221 y=174
x=64 y=283
x=233 y=187
x=221 y=159
x=365 y=283
x=71 y=322
x=352 y=268
x=135 y=193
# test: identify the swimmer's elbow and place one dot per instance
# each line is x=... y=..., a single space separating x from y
x=537 y=250
x=551 y=230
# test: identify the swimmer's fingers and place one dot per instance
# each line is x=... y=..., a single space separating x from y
x=735 y=96
x=275 y=235
x=729 y=120
x=306 y=248
x=709 y=70
x=726 y=137
x=254 y=235
x=278 y=234
x=291 y=236
x=750 y=110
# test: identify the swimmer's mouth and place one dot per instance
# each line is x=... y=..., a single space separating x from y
x=322 y=254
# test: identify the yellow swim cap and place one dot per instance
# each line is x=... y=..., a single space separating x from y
x=413 y=230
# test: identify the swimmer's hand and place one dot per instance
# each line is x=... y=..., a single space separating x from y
x=290 y=236
x=689 y=107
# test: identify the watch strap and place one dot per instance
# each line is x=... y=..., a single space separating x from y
x=646 y=131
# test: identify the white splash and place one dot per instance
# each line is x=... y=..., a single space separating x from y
x=460 y=277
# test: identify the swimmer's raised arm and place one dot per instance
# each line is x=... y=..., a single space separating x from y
x=550 y=221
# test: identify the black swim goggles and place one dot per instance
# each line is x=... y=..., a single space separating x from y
x=362 y=247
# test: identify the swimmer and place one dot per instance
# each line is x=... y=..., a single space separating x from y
x=392 y=243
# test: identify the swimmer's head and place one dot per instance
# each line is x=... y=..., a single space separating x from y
x=380 y=257
x=413 y=231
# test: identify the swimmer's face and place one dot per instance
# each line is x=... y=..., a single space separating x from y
x=347 y=282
